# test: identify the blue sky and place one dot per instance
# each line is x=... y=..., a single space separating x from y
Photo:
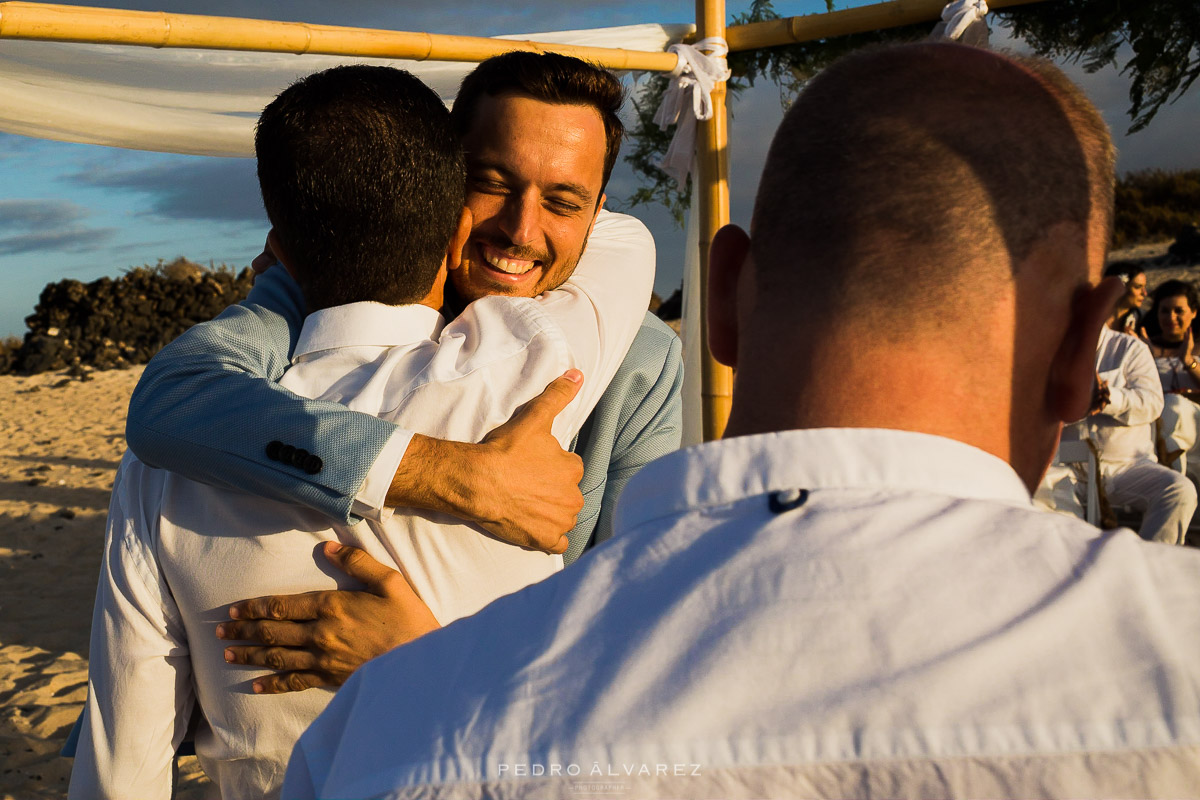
x=84 y=211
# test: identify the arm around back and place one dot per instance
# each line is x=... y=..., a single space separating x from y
x=207 y=407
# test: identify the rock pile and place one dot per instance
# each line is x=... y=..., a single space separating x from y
x=113 y=323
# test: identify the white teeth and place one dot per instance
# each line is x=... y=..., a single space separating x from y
x=511 y=266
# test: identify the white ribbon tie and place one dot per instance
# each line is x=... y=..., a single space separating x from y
x=960 y=15
x=701 y=67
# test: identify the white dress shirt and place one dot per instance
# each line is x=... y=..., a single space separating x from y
x=820 y=613
x=178 y=553
x=1123 y=431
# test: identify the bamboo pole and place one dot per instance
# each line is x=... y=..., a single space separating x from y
x=58 y=23
x=811 y=27
x=711 y=191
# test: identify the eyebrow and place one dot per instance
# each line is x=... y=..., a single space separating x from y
x=577 y=189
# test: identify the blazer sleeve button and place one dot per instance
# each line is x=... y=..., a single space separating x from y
x=273 y=449
x=313 y=464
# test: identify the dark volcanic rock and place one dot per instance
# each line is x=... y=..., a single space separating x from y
x=113 y=323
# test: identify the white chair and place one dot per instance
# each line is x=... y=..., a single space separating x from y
x=1080 y=452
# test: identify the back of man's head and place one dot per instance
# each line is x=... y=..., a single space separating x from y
x=925 y=217
x=550 y=78
x=902 y=172
x=362 y=180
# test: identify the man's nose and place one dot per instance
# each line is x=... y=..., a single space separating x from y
x=519 y=219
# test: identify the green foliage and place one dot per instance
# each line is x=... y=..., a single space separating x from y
x=1163 y=34
x=787 y=66
x=1154 y=205
x=650 y=144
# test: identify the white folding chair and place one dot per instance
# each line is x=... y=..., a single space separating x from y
x=1080 y=452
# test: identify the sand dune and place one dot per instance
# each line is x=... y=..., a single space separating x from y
x=60 y=442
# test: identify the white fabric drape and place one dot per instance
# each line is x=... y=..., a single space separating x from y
x=201 y=102
x=688 y=99
x=958 y=16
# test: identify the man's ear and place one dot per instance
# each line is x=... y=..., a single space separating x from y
x=1073 y=369
x=596 y=213
x=727 y=257
x=281 y=254
x=458 y=241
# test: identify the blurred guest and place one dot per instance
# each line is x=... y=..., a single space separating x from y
x=1127 y=317
x=1127 y=400
x=1174 y=307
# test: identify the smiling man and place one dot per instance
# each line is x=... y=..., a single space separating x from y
x=533 y=179
x=541 y=134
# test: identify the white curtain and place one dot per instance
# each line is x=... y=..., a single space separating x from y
x=201 y=102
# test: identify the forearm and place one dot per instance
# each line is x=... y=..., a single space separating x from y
x=440 y=475
x=207 y=407
x=475 y=481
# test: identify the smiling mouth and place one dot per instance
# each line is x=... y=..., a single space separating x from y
x=498 y=260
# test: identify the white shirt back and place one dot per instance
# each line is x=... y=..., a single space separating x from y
x=818 y=613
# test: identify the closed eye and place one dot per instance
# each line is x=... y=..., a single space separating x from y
x=488 y=185
x=563 y=207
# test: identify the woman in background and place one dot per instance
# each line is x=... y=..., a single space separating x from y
x=1174 y=306
x=1127 y=317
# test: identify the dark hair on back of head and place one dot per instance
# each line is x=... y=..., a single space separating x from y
x=363 y=181
x=550 y=78
x=901 y=169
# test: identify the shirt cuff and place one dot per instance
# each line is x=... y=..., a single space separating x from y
x=370 y=501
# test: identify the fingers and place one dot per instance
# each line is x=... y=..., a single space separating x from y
x=279 y=606
x=541 y=410
x=561 y=547
x=278 y=659
x=269 y=633
x=378 y=578
x=292 y=682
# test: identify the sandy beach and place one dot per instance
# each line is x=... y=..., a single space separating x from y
x=60 y=442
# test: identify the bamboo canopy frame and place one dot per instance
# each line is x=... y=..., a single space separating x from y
x=59 y=23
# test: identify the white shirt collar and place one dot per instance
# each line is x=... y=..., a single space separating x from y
x=717 y=473
x=367 y=324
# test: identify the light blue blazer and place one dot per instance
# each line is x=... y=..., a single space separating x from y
x=207 y=407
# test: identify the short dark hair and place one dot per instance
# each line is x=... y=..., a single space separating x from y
x=363 y=180
x=550 y=78
x=1174 y=288
x=910 y=157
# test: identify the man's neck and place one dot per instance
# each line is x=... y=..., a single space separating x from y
x=891 y=388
